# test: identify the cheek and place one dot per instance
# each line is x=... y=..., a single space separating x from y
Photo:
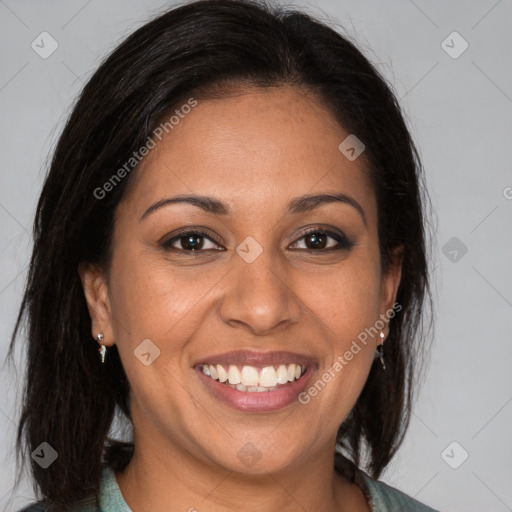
x=346 y=300
x=345 y=305
x=329 y=398
x=152 y=298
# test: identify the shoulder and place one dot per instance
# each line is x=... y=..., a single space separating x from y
x=89 y=504
x=388 y=499
x=85 y=506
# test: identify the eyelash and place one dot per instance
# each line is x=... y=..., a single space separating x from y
x=343 y=243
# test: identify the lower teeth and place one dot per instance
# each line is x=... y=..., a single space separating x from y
x=250 y=389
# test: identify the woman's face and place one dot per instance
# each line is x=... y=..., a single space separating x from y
x=254 y=292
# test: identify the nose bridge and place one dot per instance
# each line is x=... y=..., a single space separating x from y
x=259 y=296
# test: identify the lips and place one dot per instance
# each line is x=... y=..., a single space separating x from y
x=252 y=358
x=256 y=381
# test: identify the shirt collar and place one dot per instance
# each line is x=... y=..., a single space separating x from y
x=111 y=499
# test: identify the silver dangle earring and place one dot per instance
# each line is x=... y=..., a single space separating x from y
x=103 y=349
x=380 y=350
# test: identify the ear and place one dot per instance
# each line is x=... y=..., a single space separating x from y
x=390 y=283
x=94 y=283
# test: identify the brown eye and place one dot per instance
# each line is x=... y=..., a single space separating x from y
x=191 y=241
x=318 y=239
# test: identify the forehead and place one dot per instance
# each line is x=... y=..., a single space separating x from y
x=253 y=147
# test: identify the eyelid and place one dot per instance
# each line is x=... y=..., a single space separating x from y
x=322 y=229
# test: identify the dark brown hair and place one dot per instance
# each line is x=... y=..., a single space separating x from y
x=70 y=400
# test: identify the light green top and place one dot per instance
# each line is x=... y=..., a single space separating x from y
x=382 y=498
x=111 y=499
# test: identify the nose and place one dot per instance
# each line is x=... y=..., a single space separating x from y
x=259 y=297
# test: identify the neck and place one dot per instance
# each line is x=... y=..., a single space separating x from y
x=172 y=479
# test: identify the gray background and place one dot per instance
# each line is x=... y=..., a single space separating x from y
x=460 y=113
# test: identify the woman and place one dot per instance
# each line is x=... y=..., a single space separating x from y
x=234 y=215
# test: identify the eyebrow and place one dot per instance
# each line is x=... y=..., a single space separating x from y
x=300 y=204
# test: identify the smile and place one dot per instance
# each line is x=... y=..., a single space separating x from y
x=256 y=382
x=253 y=379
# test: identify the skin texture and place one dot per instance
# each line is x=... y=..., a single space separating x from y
x=255 y=150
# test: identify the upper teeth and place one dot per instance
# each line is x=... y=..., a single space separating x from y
x=251 y=376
